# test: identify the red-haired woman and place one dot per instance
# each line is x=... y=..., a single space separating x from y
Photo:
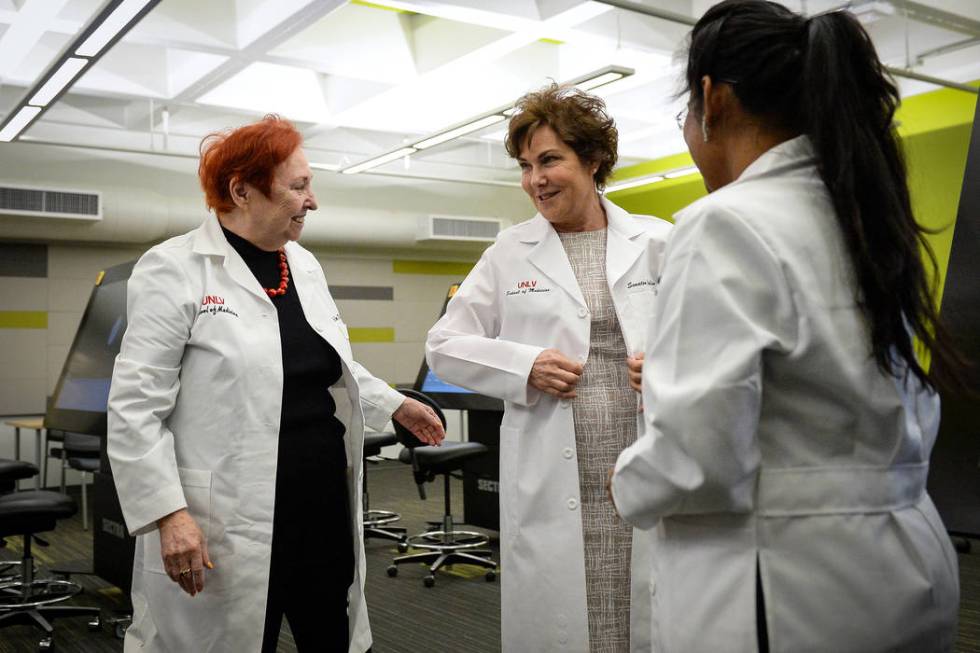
x=236 y=418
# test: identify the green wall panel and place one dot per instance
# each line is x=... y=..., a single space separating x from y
x=371 y=334
x=23 y=319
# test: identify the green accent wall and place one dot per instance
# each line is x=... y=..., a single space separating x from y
x=371 y=334
x=383 y=7
x=935 y=129
x=23 y=319
x=447 y=268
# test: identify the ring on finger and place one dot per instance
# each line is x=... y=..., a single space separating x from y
x=185 y=572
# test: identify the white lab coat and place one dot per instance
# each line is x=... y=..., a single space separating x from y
x=522 y=298
x=194 y=414
x=776 y=444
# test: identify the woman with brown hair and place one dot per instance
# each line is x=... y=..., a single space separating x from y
x=546 y=321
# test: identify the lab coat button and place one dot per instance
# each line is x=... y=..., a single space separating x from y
x=567 y=452
x=572 y=504
x=582 y=312
x=653 y=587
x=564 y=403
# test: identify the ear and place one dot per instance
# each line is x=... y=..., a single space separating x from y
x=239 y=191
x=710 y=105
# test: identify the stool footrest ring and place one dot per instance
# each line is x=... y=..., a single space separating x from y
x=448 y=541
x=17 y=595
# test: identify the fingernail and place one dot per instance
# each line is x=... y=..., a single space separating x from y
x=210 y=566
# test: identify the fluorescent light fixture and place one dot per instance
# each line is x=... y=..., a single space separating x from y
x=601 y=80
x=633 y=183
x=601 y=77
x=681 y=172
x=115 y=19
x=116 y=22
x=59 y=80
x=330 y=167
x=18 y=122
x=456 y=132
x=592 y=80
x=379 y=160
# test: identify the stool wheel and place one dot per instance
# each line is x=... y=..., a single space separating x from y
x=490 y=576
x=403 y=545
x=121 y=631
x=392 y=571
x=95 y=624
x=46 y=644
x=429 y=581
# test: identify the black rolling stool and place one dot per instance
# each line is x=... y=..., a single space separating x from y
x=444 y=546
x=377 y=522
x=12 y=471
x=26 y=599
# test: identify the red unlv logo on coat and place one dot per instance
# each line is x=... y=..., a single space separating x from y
x=526 y=284
x=213 y=299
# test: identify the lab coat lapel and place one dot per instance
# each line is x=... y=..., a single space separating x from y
x=622 y=250
x=210 y=240
x=303 y=273
x=549 y=257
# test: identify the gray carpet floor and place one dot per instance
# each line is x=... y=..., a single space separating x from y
x=461 y=613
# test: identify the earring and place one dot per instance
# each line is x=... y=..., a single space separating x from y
x=704 y=129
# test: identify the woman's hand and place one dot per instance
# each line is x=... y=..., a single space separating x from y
x=634 y=364
x=184 y=550
x=555 y=374
x=421 y=420
x=609 y=492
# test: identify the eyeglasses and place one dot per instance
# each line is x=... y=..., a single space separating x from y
x=681 y=117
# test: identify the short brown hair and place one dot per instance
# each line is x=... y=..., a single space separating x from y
x=250 y=154
x=579 y=119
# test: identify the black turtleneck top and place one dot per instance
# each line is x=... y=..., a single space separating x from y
x=310 y=436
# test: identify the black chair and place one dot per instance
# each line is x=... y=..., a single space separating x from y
x=25 y=599
x=12 y=471
x=53 y=437
x=443 y=546
x=80 y=452
x=377 y=523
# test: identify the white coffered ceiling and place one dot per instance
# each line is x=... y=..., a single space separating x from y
x=361 y=79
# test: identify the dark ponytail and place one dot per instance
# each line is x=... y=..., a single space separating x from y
x=822 y=77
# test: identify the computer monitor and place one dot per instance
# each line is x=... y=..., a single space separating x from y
x=80 y=398
x=451 y=396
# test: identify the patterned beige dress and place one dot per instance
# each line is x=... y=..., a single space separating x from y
x=605 y=424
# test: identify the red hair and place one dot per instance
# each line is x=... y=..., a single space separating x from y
x=249 y=154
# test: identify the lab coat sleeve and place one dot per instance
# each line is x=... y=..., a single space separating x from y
x=160 y=310
x=378 y=399
x=724 y=305
x=463 y=349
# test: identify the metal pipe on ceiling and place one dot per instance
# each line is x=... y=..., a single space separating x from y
x=675 y=17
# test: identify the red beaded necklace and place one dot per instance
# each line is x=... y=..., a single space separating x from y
x=283 y=276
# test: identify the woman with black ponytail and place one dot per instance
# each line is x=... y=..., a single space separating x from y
x=785 y=459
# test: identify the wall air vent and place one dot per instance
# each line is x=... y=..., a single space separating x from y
x=458 y=228
x=50 y=203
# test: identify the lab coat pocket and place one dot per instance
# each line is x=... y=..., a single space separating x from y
x=196 y=484
x=642 y=300
x=509 y=473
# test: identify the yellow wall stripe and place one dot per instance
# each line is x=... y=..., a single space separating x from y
x=371 y=334
x=432 y=267
x=23 y=319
